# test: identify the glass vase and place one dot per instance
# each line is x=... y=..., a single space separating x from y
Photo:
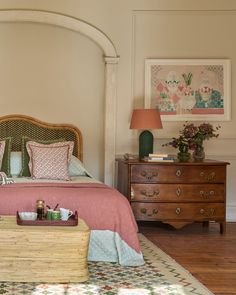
x=198 y=153
x=183 y=154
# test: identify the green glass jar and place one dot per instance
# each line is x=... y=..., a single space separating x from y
x=183 y=154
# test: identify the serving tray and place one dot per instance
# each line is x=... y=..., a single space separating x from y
x=72 y=221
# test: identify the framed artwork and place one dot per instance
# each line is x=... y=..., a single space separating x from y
x=188 y=89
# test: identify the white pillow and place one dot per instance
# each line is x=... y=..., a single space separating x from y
x=76 y=167
x=15 y=163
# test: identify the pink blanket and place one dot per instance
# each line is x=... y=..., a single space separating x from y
x=102 y=207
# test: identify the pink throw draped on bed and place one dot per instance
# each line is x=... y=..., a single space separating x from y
x=102 y=207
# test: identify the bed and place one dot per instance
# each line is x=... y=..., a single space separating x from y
x=107 y=212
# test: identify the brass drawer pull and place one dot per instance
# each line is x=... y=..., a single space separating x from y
x=178 y=191
x=204 y=194
x=149 y=175
x=177 y=211
x=178 y=173
x=210 y=177
x=144 y=211
x=150 y=194
x=143 y=173
x=154 y=212
x=212 y=211
x=202 y=174
x=202 y=211
x=209 y=212
x=207 y=194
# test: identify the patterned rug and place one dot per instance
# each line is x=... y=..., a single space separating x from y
x=161 y=275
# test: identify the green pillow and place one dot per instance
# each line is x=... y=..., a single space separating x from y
x=6 y=160
x=25 y=156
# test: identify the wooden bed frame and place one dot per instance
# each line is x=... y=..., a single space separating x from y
x=17 y=126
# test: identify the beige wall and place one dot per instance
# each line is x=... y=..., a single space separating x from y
x=45 y=65
x=55 y=75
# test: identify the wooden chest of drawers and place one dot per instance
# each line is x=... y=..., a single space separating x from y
x=175 y=193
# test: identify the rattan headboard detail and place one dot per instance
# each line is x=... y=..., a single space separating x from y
x=17 y=126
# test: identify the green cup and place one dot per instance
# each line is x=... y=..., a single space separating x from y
x=55 y=215
x=49 y=214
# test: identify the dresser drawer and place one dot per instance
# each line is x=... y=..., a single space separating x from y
x=179 y=211
x=177 y=192
x=177 y=173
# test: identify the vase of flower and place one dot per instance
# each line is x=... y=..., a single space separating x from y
x=198 y=152
x=183 y=154
x=183 y=146
x=191 y=138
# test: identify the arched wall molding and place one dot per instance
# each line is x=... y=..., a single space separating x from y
x=110 y=58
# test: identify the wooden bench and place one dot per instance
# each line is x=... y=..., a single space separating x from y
x=54 y=254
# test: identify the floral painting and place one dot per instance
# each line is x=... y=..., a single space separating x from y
x=188 y=89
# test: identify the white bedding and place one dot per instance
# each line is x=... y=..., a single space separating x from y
x=106 y=245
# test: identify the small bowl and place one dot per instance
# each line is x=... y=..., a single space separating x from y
x=28 y=215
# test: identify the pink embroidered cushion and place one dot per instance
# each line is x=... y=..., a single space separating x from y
x=50 y=161
x=2 y=150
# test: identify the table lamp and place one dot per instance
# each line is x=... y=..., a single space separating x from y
x=145 y=119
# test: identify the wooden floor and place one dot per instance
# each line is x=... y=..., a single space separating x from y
x=204 y=252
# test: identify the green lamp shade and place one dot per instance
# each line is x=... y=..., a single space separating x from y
x=145 y=144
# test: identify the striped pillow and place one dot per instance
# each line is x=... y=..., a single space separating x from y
x=50 y=161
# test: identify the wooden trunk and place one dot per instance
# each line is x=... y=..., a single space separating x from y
x=54 y=254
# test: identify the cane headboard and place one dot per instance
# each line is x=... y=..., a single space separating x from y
x=17 y=126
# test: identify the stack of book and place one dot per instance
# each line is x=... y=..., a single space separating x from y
x=159 y=158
